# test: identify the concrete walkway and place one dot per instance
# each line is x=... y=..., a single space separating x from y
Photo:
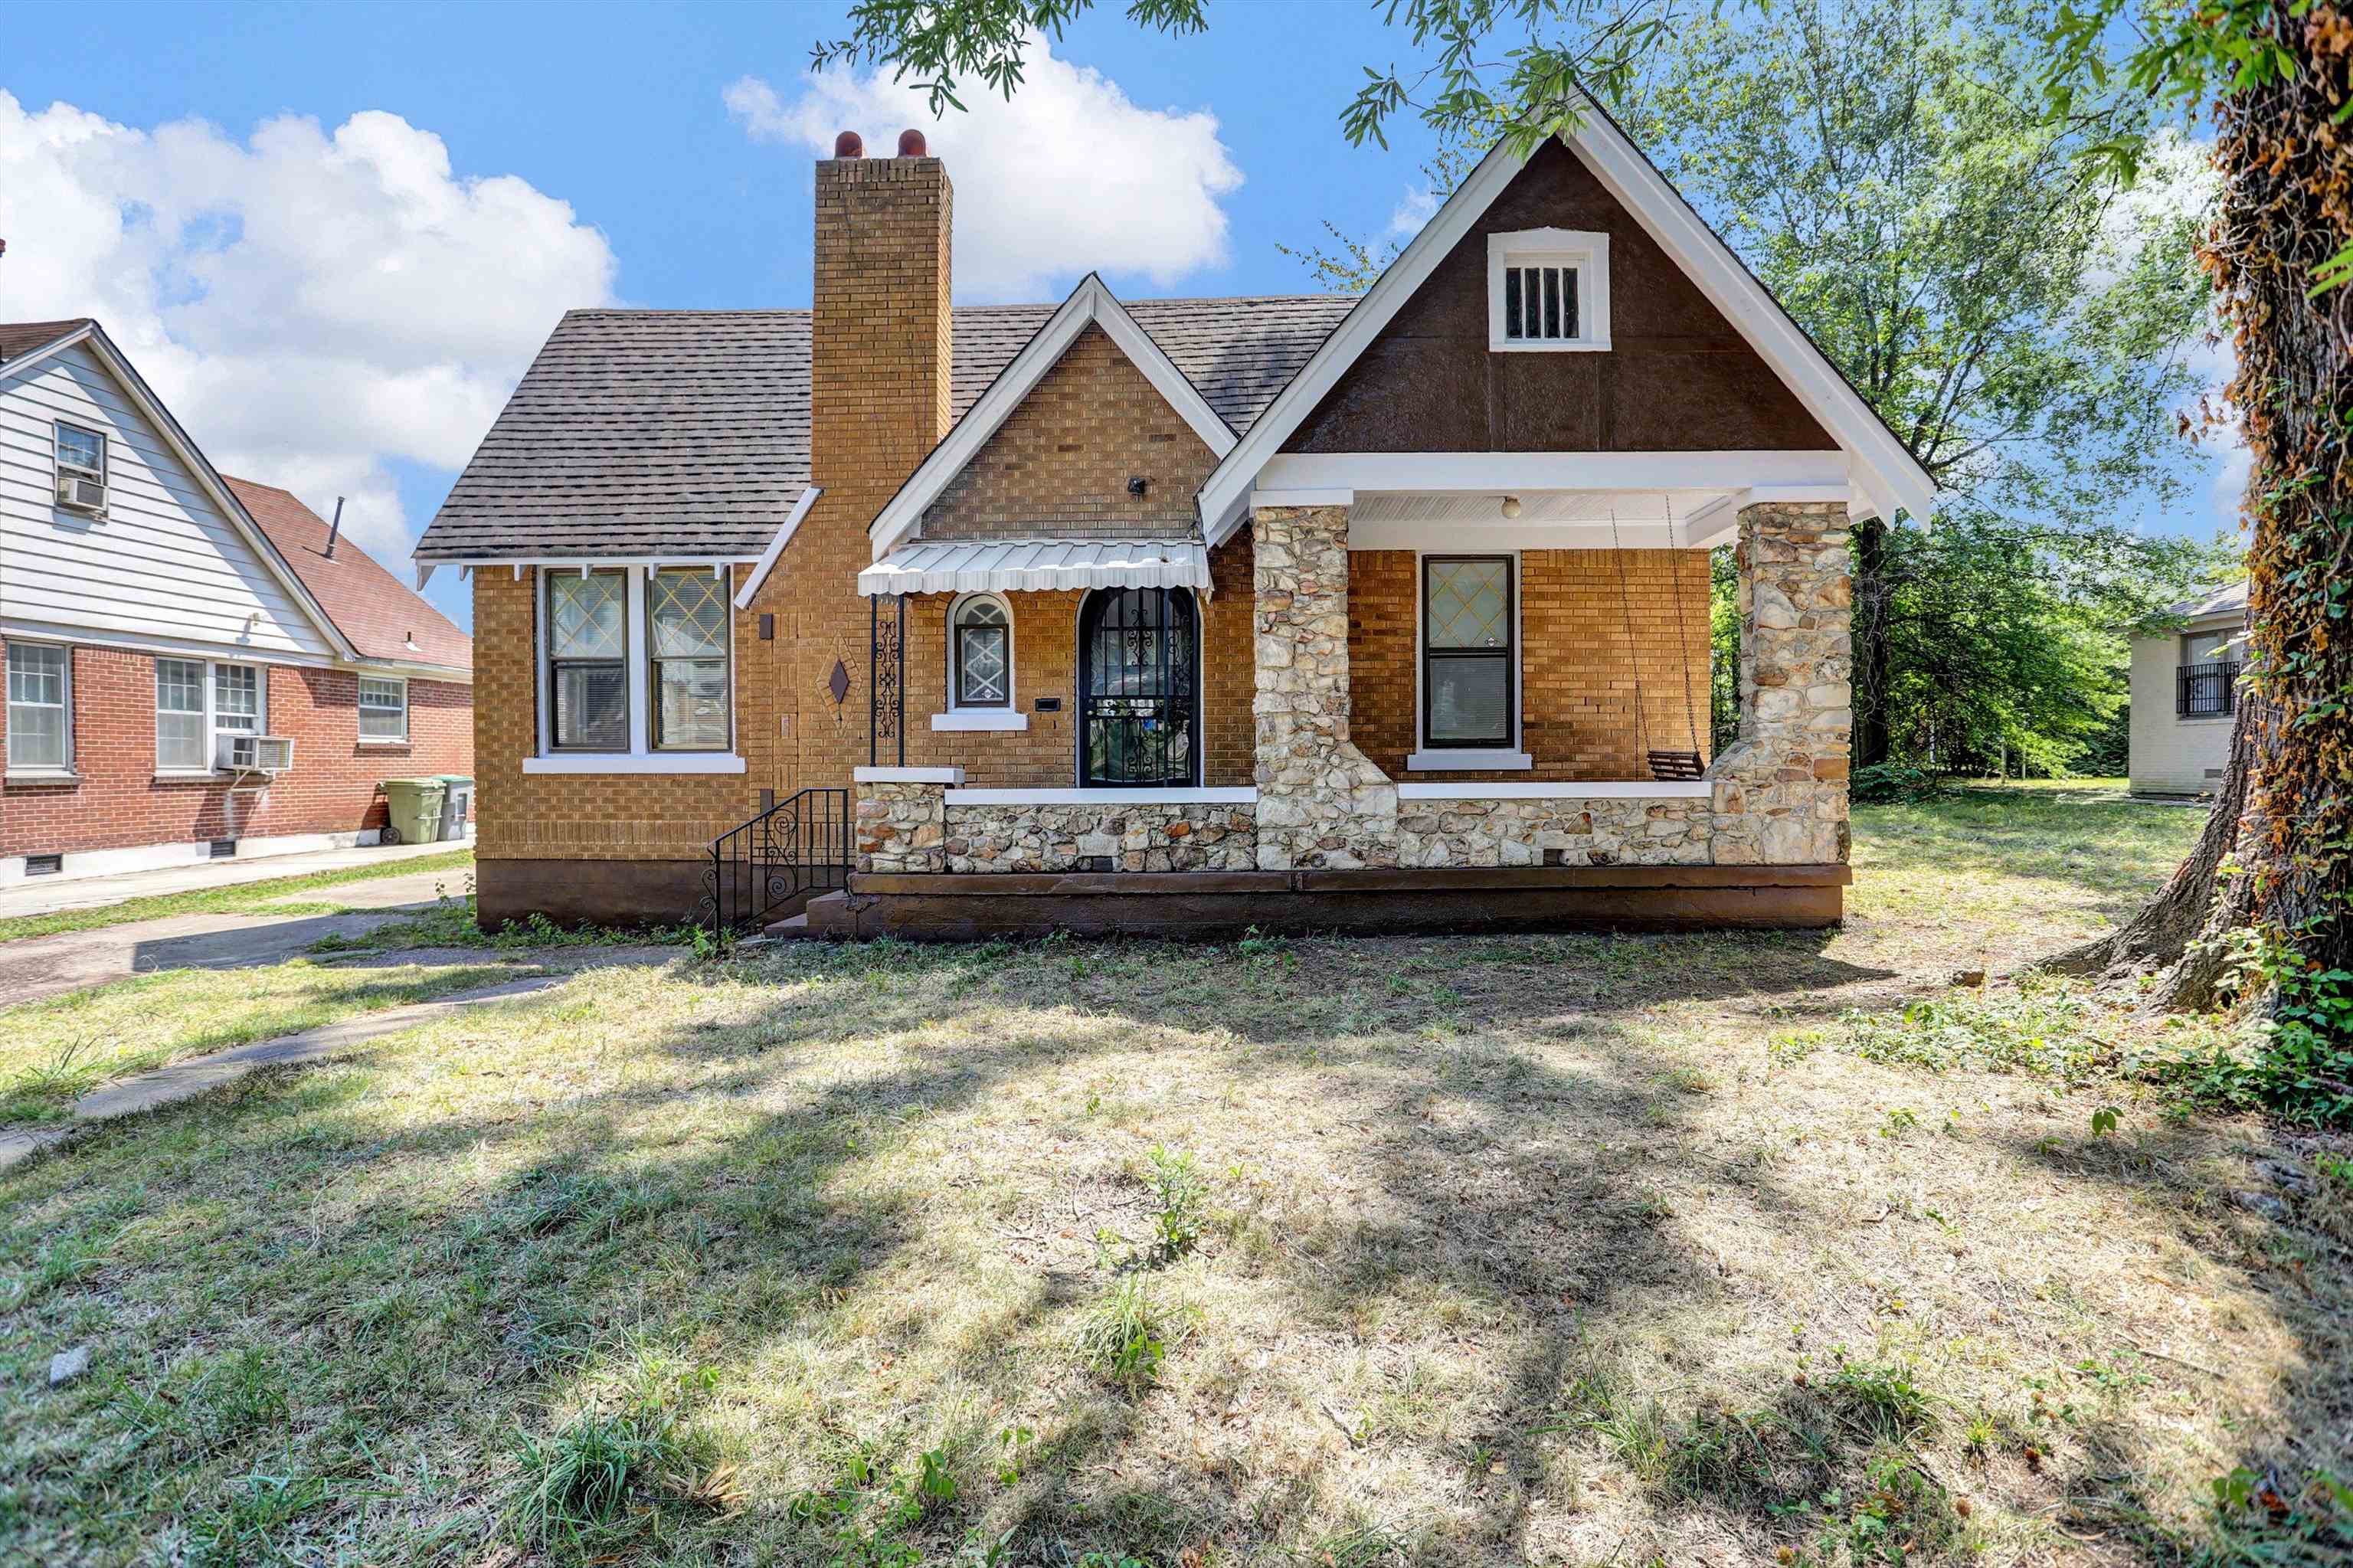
x=185 y=1080
x=47 y=895
x=37 y=967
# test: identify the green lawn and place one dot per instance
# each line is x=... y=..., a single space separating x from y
x=55 y=1050
x=240 y=898
x=1446 y=1251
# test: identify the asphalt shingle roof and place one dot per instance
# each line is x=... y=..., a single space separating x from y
x=19 y=338
x=2222 y=601
x=377 y=612
x=687 y=432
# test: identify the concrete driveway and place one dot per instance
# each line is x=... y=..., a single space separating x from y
x=46 y=966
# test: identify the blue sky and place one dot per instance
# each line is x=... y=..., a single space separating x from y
x=362 y=348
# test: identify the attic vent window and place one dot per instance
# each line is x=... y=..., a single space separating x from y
x=1547 y=290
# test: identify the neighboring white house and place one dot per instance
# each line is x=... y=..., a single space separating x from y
x=194 y=667
x=2184 y=691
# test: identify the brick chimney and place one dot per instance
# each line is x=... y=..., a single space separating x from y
x=879 y=343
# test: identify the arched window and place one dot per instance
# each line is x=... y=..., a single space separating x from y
x=980 y=653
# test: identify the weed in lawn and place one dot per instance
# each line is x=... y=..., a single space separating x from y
x=45 y=1088
x=1128 y=1334
x=865 y=1518
x=1179 y=1202
x=577 y=1480
x=249 y=1524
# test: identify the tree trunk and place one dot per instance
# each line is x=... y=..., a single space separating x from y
x=2286 y=817
x=1871 y=740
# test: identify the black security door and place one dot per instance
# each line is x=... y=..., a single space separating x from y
x=1139 y=722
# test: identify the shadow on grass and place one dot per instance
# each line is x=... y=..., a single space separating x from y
x=1457 y=1168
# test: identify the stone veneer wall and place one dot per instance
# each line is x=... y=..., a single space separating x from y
x=1780 y=796
x=1556 y=832
x=1151 y=836
x=1321 y=803
x=911 y=826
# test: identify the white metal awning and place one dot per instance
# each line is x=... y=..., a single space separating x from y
x=978 y=565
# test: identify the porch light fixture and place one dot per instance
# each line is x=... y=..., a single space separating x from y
x=1511 y=506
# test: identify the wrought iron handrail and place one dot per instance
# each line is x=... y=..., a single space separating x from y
x=796 y=847
x=2204 y=691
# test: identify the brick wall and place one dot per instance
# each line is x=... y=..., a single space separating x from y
x=1046 y=664
x=1059 y=467
x=574 y=816
x=119 y=802
x=1578 y=668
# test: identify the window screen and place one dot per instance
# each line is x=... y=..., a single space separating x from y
x=383 y=708
x=180 y=714
x=687 y=638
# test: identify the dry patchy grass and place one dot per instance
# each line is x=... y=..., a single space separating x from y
x=1471 y=1251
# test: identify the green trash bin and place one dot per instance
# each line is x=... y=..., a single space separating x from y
x=415 y=814
x=457 y=804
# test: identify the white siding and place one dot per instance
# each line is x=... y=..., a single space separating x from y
x=165 y=565
x=2170 y=755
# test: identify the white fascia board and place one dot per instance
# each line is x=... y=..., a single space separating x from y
x=53 y=347
x=767 y=561
x=1894 y=473
x=1224 y=496
x=1092 y=302
x=158 y=417
x=1704 y=257
x=1477 y=474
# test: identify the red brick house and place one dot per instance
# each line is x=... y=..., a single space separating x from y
x=1379 y=612
x=196 y=666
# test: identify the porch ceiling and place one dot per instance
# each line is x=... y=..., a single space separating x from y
x=1549 y=519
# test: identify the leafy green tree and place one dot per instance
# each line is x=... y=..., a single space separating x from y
x=2018 y=317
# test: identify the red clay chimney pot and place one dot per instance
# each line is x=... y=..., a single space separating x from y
x=911 y=143
x=849 y=144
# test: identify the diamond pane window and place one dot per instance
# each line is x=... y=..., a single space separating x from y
x=686 y=611
x=1469 y=666
x=587 y=641
x=984 y=654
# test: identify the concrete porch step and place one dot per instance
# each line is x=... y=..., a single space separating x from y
x=790 y=926
x=823 y=915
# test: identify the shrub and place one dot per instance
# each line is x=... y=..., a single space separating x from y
x=1881 y=782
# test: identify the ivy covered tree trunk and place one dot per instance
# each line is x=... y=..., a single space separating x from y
x=2285 y=824
x=1871 y=737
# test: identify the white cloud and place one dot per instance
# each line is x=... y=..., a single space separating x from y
x=1069 y=176
x=1414 y=210
x=311 y=306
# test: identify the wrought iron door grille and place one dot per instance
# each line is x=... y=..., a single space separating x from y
x=1140 y=719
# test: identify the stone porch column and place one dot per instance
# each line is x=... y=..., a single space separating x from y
x=1781 y=793
x=1322 y=804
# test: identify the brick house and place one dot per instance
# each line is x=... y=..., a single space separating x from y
x=159 y=621
x=1374 y=612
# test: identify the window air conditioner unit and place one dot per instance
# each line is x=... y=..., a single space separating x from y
x=269 y=753
x=81 y=492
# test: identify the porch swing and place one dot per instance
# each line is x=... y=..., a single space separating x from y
x=1665 y=765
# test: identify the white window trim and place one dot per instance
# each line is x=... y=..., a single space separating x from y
x=360 y=705
x=58 y=449
x=638 y=667
x=213 y=731
x=1511 y=758
x=727 y=608
x=44 y=770
x=1586 y=251
x=960 y=718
